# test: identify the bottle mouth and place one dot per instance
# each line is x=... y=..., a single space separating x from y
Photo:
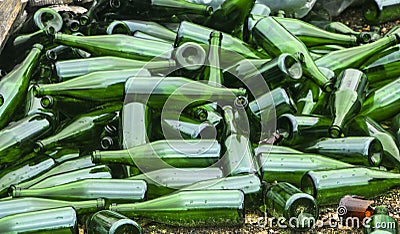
x=364 y=38
x=375 y=153
x=208 y=11
x=328 y=87
x=47 y=102
x=293 y=67
x=201 y=114
x=106 y=143
x=241 y=102
x=84 y=20
x=336 y=132
x=125 y=226
x=38 y=147
x=51 y=55
x=74 y=26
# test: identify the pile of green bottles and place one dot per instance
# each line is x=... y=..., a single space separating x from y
x=176 y=113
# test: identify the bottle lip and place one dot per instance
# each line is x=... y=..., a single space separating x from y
x=38 y=147
x=84 y=20
x=336 y=131
x=328 y=87
x=14 y=191
x=47 y=102
x=106 y=142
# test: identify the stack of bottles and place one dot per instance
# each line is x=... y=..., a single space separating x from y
x=189 y=114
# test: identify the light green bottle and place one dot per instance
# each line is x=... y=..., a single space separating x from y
x=270 y=35
x=190 y=209
x=58 y=220
x=110 y=222
x=329 y=186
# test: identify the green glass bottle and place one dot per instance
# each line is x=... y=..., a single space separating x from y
x=148 y=27
x=64 y=167
x=24 y=171
x=239 y=155
x=365 y=126
x=295 y=129
x=212 y=69
x=110 y=222
x=135 y=123
x=97 y=172
x=101 y=86
x=18 y=138
x=329 y=186
x=14 y=86
x=383 y=103
x=118 y=45
x=381 y=221
x=30 y=204
x=58 y=220
x=347 y=99
x=111 y=189
x=230 y=16
x=377 y=12
x=178 y=91
x=354 y=57
x=177 y=153
x=366 y=151
x=44 y=17
x=34 y=37
x=168 y=10
x=270 y=35
x=250 y=185
x=313 y=36
x=230 y=46
x=167 y=180
x=79 y=67
x=383 y=68
x=67 y=106
x=83 y=129
x=290 y=167
x=285 y=200
x=190 y=208
x=282 y=70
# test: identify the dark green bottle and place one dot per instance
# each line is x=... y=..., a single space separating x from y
x=285 y=200
x=377 y=12
x=365 y=126
x=239 y=155
x=110 y=222
x=35 y=37
x=295 y=129
x=270 y=35
x=347 y=99
x=177 y=92
x=366 y=151
x=24 y=171
x=14 y=86
x=97 y=172
x=102 y=86
x=96 y=6
x=230 y=46
x=58 y=220
x=83 y=129
x=64 y=167
x=290 y=167
x=383 y=103
x=190 y=209
x=167 y=180
x=79 y=67
x=282 y=70
x=354 y=57
x=313 y=36
x=148 y=27
x=29 y=204
x=230 y=16
x=329 y=186
x=135 y=125
x=177 y=153
x=117 y=45
x=18 y=138
x=250 y=185
x=381 y=222
x=110 y=189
